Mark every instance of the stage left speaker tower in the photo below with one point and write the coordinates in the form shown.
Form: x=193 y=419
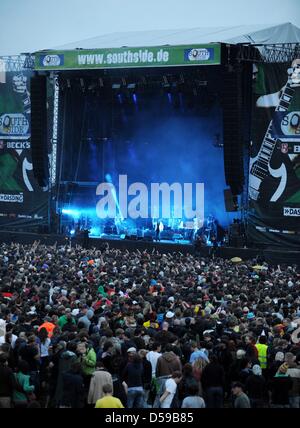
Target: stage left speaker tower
x=39 y=150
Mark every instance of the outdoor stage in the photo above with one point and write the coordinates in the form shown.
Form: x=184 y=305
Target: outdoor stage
x=155 y=139
x=269 y=255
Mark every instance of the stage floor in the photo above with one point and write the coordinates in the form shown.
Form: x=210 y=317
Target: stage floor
x=270 y=255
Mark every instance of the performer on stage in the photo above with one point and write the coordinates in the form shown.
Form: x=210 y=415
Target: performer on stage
x=159 y=228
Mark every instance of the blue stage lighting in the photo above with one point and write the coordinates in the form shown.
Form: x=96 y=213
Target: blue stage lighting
x=134 y=97
x=108 y=178
x=95 y=231
x=170 y=97
x=71 y=212
x=72 y=232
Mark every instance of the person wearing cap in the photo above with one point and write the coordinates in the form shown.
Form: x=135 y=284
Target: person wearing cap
x=280 y=387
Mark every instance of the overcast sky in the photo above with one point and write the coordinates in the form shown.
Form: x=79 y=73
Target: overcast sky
x=29 y=25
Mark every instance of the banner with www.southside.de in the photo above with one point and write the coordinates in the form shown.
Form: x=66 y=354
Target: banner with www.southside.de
x=209 y=54
x=22 y=201
x=274 y=173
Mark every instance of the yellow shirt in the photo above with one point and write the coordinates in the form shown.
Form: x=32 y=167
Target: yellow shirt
x=109 y=402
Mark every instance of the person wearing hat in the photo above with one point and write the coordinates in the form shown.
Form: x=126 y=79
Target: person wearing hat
x=256 y=388
x=280 y=387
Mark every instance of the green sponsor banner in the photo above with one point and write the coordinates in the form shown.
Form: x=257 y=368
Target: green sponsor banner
x=209 y=54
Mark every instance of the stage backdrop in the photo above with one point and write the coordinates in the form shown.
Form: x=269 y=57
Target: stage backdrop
x=22 y=201
x=274 y=173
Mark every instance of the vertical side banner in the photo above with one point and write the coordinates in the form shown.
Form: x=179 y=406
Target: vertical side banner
x=22 y=201
x=274 y=170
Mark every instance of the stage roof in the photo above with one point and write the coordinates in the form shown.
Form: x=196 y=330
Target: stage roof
x=252 y=34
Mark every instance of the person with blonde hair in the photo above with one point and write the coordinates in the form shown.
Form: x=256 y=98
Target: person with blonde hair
x=280 y=386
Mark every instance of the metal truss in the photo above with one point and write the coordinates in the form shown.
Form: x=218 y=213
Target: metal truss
x=274 y=53
x=16 y=62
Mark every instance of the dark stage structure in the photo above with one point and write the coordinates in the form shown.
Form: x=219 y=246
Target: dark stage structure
x=177 y=148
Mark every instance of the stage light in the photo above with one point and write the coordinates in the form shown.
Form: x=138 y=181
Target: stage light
x=134 y=97
x=108 y=178
x=72 y=232
x=131 y=86
x=70 y=212
x=116 y=86
x=95 y=231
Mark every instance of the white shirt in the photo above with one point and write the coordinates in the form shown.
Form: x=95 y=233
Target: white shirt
x=13 y=340
x=45 y=348
x=171 y=387
x=152 y=357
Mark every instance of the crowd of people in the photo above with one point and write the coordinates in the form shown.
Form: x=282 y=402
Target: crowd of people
x=110 y=328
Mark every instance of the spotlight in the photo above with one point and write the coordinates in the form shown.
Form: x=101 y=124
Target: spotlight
x=116 y=86
x=131 y=86
x=72 y=232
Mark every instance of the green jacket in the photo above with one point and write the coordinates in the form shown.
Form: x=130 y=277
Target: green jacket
x=63 y=321
x=23 y=381
x=89 y=362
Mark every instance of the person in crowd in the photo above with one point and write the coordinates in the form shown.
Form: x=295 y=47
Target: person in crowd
x=170 y=389
x=73 y=388
x=256 y=388
x=133 y=377
x=192 y=400
x=213 y=383
x=280 y=387
x=6 y=382
x=241 y=399
x=23 y=390
x=229 y=321
x=100 y=377
x=108 y=401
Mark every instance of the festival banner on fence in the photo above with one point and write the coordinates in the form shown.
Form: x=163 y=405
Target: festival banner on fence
x=274 y=173
x=209 y=54
x=22 y=201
